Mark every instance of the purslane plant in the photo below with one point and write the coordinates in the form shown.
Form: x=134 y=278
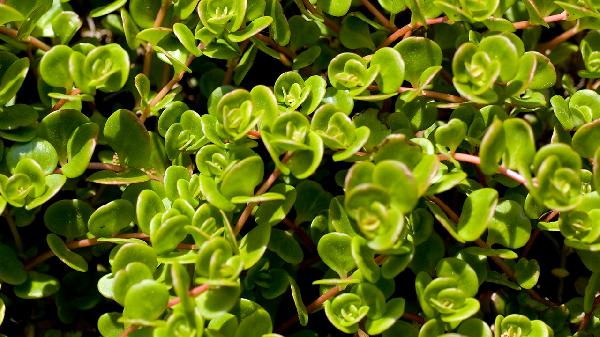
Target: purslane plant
x=264 y=168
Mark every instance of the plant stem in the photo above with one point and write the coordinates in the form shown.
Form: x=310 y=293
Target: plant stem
x=285 y=54
x=76 y=244
x=546 y=47
x=437 y=95
x=192 y=293
x=548 y=19
x=469 y=158
x=302 y=235
x=233 y=63
x=129 y=330
x=63 y=101
x=329 y=23
x=14 y=232
x=160 y=17
x=585 y=321
x=167 y=88
x=536 y=232
x=408 y=28
x=30 y=39
x=98 y=166
x=378 y=15
x=263 y=188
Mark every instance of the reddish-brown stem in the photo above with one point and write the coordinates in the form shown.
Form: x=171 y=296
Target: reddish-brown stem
x=546 y=47
x=14 y=231
x=447 y=209
x=536 y=232
x=552 y=18
x=128 y=330
x=399 y=33
x=160 y=17
x=30 y=39
x=436 y=95
x=469 y=158
x=76 y=244
x=233 y=63
x=254 y=134
x=407 y=29
x=192 y=293
x=167 y=88
x=290 y=54
x=378 y=15
x=63 y=101
x=331 y=24
x=587 y=317
x=302 y=235
x=98 y=166
x=263 y=188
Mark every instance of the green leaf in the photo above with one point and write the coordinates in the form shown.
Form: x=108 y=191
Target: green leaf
x=130 y=29
x=109 y=325
x=585 y=140
x=280 y=28
x=364 y=258
x=273 y=212
x=462 y=272
x=54 y=67
x=451 y=134
x=128 y=137
x=493 y=145
x=252 y=29
x=107 y=67
x=519 y=155
x=300 y=307
x=67 y=256
x=107 y=9
x=80 y=149
x=311 y=200
x=12 y=79
x=354 y=33
x=254 y=244
x=186 y=37
x=527 y=273
x=285 y=246
x=335 y=7
x=111 y=218
x=509 y=226
x=392 y=68
x=58 y=128
x=477 y=213
x=12 y=270
x=128 y=176
x=335 y=250
x=134 y=252
x=65 y=25
x=166 y=235
x=145 y=301
x=38 y=149
x=37 y=286
x=418 y=53
x=394 y=309
x=9 y=14
x=148 y=205
x=68 y=218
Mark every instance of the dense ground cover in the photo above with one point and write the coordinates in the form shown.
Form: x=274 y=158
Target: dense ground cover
x=264 y=168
